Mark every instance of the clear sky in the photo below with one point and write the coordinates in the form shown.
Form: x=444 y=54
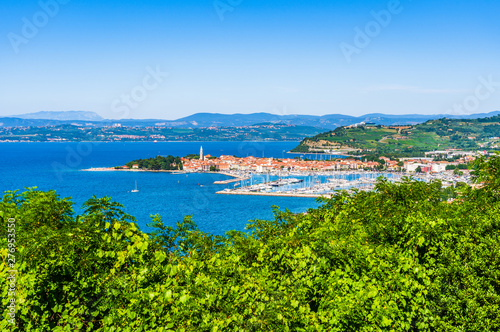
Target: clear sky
x=245 y=56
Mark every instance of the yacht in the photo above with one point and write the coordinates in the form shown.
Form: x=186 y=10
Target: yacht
x=135 y=190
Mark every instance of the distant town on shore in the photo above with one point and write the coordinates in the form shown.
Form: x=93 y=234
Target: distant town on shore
x=451 y=167
x=434 y=162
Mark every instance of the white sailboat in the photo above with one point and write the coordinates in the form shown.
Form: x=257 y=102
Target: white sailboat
x=135 y=190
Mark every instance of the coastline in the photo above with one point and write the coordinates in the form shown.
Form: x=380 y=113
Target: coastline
x=272 y=194
x=340 y=153
x=326 y=188
x=112 y=169
x=148 y=141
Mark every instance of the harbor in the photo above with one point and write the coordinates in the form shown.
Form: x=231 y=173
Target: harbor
x=304 y=178
x=325 y=184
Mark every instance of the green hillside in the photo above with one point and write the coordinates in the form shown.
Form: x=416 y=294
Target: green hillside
x=408 y=140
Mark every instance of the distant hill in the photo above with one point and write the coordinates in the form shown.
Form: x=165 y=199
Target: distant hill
x=203 y=120
x=330 y=121
x=69 y=132
x=62 y=116
x=409 y=140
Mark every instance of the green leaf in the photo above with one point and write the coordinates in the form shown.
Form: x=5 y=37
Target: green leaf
x=386 y=321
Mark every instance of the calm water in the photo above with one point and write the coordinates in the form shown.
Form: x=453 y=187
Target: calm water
x=58 y=166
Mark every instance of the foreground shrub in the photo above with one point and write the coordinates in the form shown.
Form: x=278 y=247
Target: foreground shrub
x=396 y=259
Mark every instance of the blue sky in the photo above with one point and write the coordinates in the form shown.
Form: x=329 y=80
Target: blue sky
x=245 y=56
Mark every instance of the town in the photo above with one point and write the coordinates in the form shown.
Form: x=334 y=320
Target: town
x=434 y=162
x=303 y=177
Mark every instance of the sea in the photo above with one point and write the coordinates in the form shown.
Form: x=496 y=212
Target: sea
x=60 y=167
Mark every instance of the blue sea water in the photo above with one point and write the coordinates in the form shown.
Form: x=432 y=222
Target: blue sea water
x=59 y=166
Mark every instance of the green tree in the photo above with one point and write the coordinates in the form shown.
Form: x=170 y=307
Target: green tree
x=398 y=258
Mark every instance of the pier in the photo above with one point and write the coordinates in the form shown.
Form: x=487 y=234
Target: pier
x=325 y=184
x=231 y=181
x=228 y=192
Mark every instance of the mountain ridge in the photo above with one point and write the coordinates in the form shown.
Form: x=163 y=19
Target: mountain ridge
x=61 y=116
x=199 y=120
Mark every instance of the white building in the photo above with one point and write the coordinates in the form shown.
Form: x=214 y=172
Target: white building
x=438 y=167
x=412 y=167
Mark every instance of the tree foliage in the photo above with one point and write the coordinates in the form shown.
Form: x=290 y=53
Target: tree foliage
x=399 y=258
x=158 y=163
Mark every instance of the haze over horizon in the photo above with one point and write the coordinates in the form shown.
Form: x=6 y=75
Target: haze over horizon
x=94 y=116
x=281 y=57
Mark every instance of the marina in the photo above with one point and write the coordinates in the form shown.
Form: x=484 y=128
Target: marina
x=325 y=184
x=307 y=183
